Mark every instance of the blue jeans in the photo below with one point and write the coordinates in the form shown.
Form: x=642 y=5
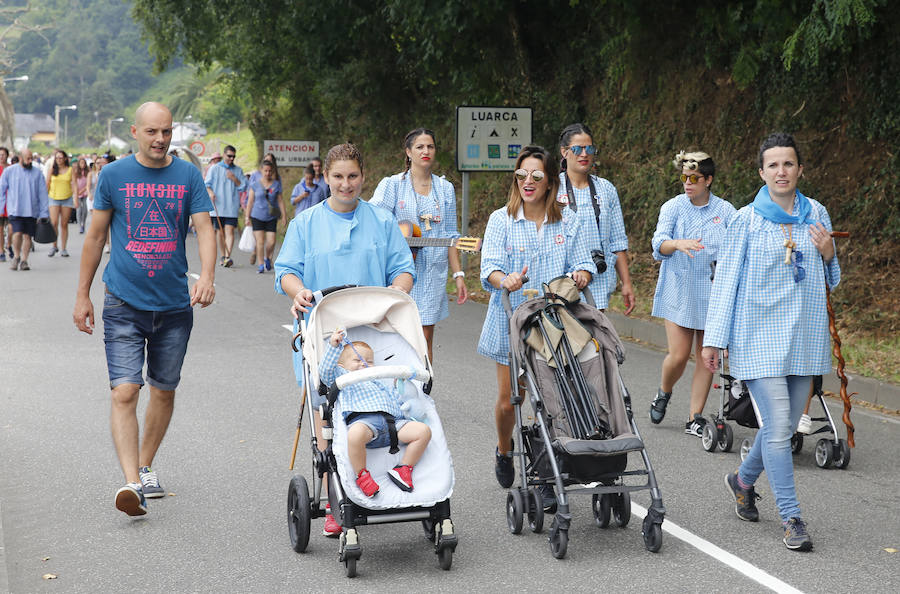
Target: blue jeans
x=780 y=401
x=127 y=332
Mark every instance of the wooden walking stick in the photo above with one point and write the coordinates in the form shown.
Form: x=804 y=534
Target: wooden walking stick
x=302 y=407
x=836 y=351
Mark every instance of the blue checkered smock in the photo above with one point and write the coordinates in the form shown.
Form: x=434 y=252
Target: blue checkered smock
x=682 y=291
x=396 y=194
x=509 y=244
x=610 y=237
x=371 y=396
x=772 y=326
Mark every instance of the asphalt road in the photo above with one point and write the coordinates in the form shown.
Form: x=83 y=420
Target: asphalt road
x=225 y=463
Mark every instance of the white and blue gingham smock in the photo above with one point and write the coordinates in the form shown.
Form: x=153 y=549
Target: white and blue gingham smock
x=682 y=291
x=772 y=326
x=396 y=194
x=610 y=237
x=370 y=396
x=509 y=244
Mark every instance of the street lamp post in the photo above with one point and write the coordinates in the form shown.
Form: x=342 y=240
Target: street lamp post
x=56 y=111
x=109 y=130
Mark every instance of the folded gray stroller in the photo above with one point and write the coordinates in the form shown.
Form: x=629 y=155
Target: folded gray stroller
x=566 y=354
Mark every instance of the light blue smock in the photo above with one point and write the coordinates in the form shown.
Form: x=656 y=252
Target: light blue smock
x=609 y=237
x=772 y=326
x=396 y=194
x=682 y=291
x=324 y=249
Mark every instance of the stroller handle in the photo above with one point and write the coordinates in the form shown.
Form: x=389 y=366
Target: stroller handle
x=507 y=306
x=316 y=296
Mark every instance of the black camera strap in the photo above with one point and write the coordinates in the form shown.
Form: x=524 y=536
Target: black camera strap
x=573 y=204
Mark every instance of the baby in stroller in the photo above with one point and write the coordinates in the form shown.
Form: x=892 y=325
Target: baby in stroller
x=373 y=415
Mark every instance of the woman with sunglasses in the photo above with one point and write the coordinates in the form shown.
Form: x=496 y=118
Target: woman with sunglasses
x=531 y=236
x=768 y=307
x=688 y=237
x=599 y=212
x=420 y=196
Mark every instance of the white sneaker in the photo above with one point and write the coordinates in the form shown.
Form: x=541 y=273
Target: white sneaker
x=805 y=425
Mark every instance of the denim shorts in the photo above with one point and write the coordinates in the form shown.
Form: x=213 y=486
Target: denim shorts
x=129 y=333
x=267 y=226
x=26 y=225
x=378 y=424
x=230 y=221
x=68 y=202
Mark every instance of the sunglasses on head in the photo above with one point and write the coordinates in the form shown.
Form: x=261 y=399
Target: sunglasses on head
x=536 y=174
x=799 y=271
x=588 y=150
x=694 y=178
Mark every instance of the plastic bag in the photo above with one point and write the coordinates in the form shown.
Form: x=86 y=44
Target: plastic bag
x=248 y=241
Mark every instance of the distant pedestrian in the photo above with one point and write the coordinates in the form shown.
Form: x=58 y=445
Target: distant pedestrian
x=61 y=189
x=307 y=192
x=689 y=234
x=23 y=194
x=81 y=177
x=146 y=200
x=4 y=236
x=264 y=211
x=224 y=183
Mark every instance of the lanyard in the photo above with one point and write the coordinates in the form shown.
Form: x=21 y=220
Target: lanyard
x=573 y=204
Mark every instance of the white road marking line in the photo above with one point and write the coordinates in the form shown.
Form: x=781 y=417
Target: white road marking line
x=751 y=571
x=194 y=275
x=288 y=327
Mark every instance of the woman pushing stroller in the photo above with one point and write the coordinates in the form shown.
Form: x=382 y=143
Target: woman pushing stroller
x=532 y=235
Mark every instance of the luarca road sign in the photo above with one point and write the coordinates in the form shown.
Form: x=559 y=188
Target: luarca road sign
x=490 y=138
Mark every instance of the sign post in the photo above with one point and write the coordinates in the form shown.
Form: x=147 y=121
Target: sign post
x=292 y=153
x=488 y=139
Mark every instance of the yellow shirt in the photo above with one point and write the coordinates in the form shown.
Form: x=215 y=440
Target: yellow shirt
x=61 y=185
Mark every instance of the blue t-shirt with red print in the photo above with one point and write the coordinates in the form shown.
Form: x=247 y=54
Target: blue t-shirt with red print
x=151 y=208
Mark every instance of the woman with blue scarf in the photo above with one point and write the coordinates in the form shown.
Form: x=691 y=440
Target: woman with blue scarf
x=768 y=308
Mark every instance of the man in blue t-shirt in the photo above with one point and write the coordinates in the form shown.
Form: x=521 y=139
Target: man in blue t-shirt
x=145 y=201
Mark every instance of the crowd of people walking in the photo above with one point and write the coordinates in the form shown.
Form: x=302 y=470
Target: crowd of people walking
x=744 y=280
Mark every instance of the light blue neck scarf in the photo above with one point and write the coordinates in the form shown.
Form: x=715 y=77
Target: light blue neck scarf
x=766 y=208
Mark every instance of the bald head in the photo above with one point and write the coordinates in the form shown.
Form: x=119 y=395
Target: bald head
x=151 y=110
x=26 y=157
x=153 y=130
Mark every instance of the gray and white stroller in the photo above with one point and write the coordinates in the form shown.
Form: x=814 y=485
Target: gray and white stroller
x=566 y=354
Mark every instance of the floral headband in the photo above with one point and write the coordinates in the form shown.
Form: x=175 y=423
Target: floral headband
x=689 y=160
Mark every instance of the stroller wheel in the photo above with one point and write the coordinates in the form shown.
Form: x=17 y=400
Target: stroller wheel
x=841 y=454
x=559 y=543
x=652 y=536
x=350 y=567
x=824 y=453
x=445 y=558
x=796 y=443
x=535 y=510
x=710 y=438
x=621 y=508
x=746 y=444
x=726 y=438
x=298 y=513
x=515 y=508
x=601 y=506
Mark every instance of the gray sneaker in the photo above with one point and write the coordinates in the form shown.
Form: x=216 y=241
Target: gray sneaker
x=796 y=538
x=150 y=483
x=744 y=499
x=64 y=253
x=14 y=264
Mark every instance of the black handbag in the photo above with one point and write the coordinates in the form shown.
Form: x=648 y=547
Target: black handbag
x=44 y=232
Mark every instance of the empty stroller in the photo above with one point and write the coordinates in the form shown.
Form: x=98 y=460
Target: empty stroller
x=566 y=354
x=735 y=405
x=388 y=321
x=829 y=451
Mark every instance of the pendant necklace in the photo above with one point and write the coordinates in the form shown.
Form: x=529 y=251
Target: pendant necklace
x=789 y=245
